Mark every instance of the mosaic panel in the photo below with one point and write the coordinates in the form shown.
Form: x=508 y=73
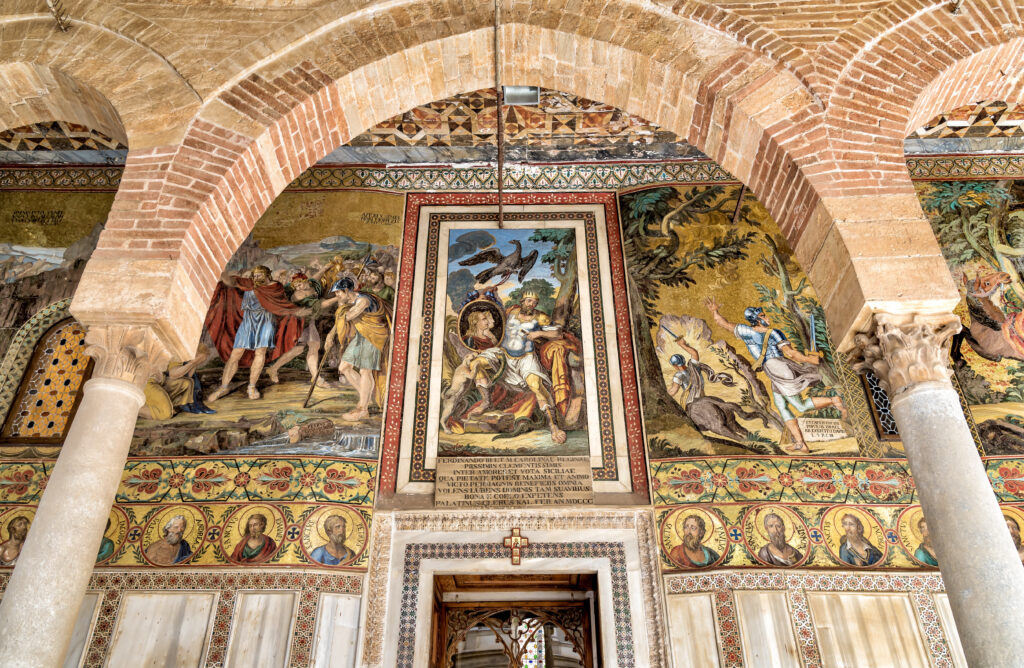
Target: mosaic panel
x=50 y=388
x=787 y=535
x=56 y=136
x=984 y=119
x=21 y=348
x=796 y=585
x=471 y=119
x=733 y=351
x=218 y=512
x=112 y=585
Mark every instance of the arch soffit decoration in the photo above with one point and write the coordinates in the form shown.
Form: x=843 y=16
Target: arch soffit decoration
x=151 y=99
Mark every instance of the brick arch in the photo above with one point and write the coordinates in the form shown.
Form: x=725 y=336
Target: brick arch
x=152 y=101
x=31 y=93
x=182 y=210
x=901 y=65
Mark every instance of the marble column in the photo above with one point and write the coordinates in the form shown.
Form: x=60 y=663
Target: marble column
x=37 y=613
x=980 y=567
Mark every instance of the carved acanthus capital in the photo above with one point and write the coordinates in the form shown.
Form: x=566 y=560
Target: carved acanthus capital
x=904 y=350
x=129 y=353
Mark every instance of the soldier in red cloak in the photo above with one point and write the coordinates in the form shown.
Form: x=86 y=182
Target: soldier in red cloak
x=247 y=318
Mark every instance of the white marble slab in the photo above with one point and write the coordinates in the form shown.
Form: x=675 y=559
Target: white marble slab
x=75 y=656
x=766 y=630
x=956 y=650
x=692 y=633
x=162 y=629
x=867 y=629
x=337 y=628
x=261 y=629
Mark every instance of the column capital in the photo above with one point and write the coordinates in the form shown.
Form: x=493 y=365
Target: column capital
x=904 y=350
x=131 y=353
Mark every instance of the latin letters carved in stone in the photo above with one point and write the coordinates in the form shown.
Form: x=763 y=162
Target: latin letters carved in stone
x=904 y=350
x=129 y=353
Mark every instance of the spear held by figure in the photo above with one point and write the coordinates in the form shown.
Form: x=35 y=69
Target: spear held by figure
x=330 y=336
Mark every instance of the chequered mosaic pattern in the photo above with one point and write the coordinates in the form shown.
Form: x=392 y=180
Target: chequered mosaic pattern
x=56 y=136
x=471 y=119
x=796 y=585
x=985 y=119
x=416 y=552
x=49 y=389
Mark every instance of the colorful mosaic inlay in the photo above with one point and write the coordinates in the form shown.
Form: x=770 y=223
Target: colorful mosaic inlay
x=50 y=387
x=307 y=511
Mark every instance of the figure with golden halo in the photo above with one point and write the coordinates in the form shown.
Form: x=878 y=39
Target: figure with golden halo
x=777 y=551
x=692 y=553
x=256 y=546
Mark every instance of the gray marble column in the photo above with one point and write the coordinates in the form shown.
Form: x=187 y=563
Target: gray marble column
x=40 y=604
x=982 y=572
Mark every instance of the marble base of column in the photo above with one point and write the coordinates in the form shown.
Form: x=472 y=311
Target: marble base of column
x=39 y=607
x=982 y=572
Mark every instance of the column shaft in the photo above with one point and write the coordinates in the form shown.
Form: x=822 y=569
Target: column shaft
x=982 y=573
x=41 y=602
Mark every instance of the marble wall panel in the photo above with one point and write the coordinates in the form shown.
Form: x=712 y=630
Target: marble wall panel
x=766 y=629
x=162 y=629
x=691 y=624
x=75 y=656
x=262 y=629
x=337 y=630
x=867 y=629
x=956 y=650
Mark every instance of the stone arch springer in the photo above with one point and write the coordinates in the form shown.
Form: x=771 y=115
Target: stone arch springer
x=183 y=209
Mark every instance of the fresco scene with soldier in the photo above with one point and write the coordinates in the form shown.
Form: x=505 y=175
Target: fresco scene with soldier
x=512 y=373
x=732 y=347
x=294 y=351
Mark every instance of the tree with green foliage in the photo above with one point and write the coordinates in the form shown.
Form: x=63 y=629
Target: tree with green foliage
x=656 y=257
x=973 y=220
x=544 y=289
x=561 y=258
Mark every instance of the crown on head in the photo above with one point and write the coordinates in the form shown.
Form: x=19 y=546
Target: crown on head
x=531 y=295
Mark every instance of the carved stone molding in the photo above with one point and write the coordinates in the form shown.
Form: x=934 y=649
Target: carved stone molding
x=129 y=353
x=392 y=530
x=905 y=350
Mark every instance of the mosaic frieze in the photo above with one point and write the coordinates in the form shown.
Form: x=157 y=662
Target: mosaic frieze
x=216 y=534
x=799 y=480
x=790 y=535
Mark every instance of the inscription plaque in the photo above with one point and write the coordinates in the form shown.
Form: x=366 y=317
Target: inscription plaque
x=503 y=482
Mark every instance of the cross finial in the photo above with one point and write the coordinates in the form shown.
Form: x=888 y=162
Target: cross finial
x=516 y=542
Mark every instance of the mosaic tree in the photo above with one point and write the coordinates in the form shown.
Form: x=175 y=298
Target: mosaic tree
x=655 y=225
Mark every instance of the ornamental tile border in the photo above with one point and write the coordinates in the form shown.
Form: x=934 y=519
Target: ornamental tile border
x=415 y=553
x=582 y=176
x=215 y=479
x=921 y=588
x=112 y=585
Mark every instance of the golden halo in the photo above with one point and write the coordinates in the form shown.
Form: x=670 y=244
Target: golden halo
x=868 y=521
x=242 y=519
x=7 y=518
x=788 y=525
x=912 y=517
x=1016 y=513
x=195 y=525
x=352 y=522
x=710 y=523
